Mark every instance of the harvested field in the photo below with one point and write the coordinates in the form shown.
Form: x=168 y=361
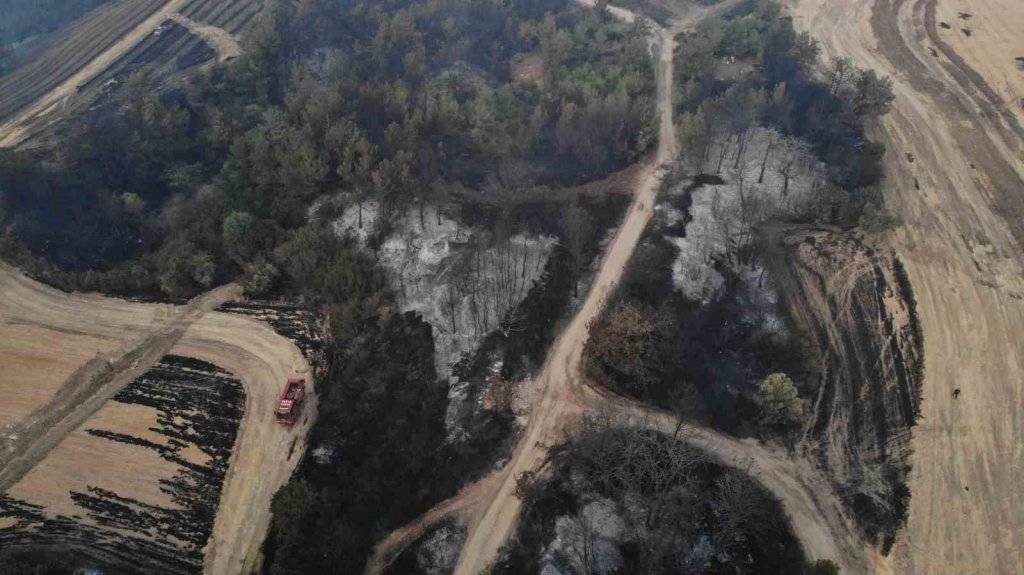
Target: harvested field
x=36 y=321
x=174 y=427
x=174 y=48
x=137 y=430
x=992 y=48
x=82 y=43
x=961 y=245
x=111 y=41
x=230 y=15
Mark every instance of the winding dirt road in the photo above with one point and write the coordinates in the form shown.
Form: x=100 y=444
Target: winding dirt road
x=494 y=523
x=953 y=132
x=816 y=515
x=132 y=337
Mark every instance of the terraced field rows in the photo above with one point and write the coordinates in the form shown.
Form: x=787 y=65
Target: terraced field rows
x=231 y=15
x=165 y=37
x=174 y=49
x=82 y=43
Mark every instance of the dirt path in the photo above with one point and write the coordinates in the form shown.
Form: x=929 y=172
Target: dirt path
x=961 y=245
x=265 y=454
x=222 y=41
x=816 y=515
x=460 y=506
x=14 y=131
x=491 y=527
x=814 y=512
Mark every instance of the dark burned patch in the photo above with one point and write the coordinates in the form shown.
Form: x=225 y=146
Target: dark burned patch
x=199 y=406
x=288 y=320
x=870 y=340
x=172 y=48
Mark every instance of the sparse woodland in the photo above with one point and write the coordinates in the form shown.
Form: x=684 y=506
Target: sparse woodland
x=773 y=139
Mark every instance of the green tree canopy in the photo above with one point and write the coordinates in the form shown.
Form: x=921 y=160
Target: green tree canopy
x=781 y=402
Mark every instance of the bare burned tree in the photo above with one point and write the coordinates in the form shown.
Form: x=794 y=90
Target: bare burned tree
x=451 y=300
x=792 y=154
x=581 y=538
x=772 y=138
x=740 y=507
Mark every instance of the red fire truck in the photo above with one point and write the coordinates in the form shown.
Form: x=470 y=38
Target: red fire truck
x=290 y=402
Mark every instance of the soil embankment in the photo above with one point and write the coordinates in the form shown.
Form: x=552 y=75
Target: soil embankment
x=854 y=303
x=955 y=178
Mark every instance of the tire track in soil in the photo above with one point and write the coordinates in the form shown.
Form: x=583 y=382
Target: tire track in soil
x=961 y=246
x=84 y=393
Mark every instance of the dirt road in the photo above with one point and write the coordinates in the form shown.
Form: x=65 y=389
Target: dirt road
x=14 y=131
x=954 y=132
x=816 y=515
x=814 y=512
x=493 y=525
x=264 y=455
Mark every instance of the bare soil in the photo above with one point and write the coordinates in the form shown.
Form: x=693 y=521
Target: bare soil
x=222 y=41
x=60 y=456
x=961 y=245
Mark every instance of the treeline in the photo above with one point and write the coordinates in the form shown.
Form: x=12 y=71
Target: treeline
x=401 y=102
x=750 y=69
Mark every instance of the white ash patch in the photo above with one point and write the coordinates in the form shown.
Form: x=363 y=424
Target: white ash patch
x=464 y=281
x=579 y=548
x=323 y=454
x=440 y=552
x=724 y=217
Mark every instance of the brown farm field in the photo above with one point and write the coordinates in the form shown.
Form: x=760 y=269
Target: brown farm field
x=137 y=477
x=955 y=175
x=111 y=41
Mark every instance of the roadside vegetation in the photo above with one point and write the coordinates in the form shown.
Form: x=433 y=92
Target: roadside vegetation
x=752 y=70
x=775 y=138
x=617 y=498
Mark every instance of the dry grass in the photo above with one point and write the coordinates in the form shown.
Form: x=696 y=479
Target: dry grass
x=961 y=245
